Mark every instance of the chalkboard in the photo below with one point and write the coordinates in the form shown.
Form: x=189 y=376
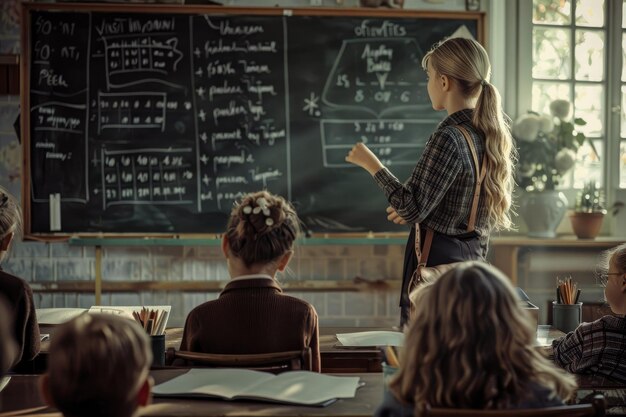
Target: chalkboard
x=155 y=119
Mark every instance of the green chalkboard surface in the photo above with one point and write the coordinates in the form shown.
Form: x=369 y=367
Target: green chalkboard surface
x=154 y=119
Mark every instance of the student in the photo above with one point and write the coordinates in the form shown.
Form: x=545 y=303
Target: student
x=8 y=348
x=252 y=315
x=470 y=345
x=14 y=289
x=98 y=366
x=598 y=348
x=438 y=195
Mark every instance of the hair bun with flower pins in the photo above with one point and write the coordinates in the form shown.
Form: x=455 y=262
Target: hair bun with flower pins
x=262 y=227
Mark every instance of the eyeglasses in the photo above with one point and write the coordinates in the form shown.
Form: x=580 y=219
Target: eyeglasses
x=603 y=277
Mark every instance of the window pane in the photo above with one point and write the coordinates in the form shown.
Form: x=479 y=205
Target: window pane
x=589 y=55
x=624 y=56
x=554 y=12
x=590 y=13
x=623 y=113
x=588 y=106
x=545 y=92
x=589 y=164
x=622 y=165
x=551 y=52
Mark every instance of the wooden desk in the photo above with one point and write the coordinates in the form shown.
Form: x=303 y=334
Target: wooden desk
x=505 y=250
x=22 y=393
x=334 y=359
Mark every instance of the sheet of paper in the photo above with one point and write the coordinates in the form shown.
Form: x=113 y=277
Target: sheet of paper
x=127 y=311
x=372 y=338
x=225 y=383
x=56 y=316
x=304 y=387
x=4 y=381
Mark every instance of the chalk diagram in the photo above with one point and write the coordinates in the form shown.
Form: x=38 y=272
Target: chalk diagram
x=379 y=79
x=137 y=54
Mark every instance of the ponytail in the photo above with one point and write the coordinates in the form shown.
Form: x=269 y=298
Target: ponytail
x=501 y=156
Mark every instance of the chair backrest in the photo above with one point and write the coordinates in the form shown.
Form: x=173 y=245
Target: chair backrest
x=595 y=408
x=270 y=362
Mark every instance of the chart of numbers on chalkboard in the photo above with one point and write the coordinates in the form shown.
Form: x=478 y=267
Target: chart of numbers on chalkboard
x=156 y=119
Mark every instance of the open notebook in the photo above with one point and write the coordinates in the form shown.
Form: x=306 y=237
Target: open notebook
x=293 y=387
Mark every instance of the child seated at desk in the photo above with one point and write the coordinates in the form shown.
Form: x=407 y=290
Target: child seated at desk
x=16 y=290
x=98 y=366
x=599 y=347
x=8 y=347
x=470 y=345
x=252 y=315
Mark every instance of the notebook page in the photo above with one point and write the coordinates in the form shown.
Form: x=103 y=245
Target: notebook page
x=224 y=383
x=304 y=387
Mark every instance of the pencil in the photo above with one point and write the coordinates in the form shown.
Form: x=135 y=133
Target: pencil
x=392 y=358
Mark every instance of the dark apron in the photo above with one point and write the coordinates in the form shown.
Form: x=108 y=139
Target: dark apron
x=445 y=249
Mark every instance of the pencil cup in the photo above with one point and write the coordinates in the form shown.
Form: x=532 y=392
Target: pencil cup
x=388 y=372
x=158 y=350
x=566 y=317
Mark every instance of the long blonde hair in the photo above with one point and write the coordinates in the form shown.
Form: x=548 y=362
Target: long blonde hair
x=470 y=345
x=467 y=62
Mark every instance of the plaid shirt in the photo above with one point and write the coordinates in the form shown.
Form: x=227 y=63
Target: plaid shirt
x=597 y=348
x=439 y=192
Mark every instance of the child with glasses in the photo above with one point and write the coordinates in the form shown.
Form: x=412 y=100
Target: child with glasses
x=597 y=348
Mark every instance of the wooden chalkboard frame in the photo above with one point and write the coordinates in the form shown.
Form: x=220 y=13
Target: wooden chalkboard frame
x=25 y=64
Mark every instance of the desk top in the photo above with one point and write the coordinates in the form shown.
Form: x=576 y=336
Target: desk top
x=559 y=241
x=22 y=393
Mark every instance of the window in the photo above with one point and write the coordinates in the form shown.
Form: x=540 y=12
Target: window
x=576 y=50
x=569 y=56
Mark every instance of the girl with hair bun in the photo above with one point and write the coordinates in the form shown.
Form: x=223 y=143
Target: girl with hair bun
x=471 y=153
x=18 y=293
x=252 y=315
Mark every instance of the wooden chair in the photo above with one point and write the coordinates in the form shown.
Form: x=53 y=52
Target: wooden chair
x=595 y=408
x=276 y=362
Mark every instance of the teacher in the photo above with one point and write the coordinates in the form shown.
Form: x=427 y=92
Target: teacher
x=437 y=199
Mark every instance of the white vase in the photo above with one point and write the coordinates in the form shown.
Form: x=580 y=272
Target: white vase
x=542 y=212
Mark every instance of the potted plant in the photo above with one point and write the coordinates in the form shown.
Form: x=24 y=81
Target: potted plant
x=547 y=146
x=588 y=212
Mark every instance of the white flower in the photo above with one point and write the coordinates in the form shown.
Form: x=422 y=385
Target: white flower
x=526 y=127
x=527 y=170
x=546 y=124
x=564 y=160
x=560 y=109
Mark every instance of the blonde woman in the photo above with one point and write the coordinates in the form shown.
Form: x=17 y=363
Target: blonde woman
x=439 y=194
x=470 y=345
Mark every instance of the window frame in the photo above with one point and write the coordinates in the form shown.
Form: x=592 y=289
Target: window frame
x=612 y=84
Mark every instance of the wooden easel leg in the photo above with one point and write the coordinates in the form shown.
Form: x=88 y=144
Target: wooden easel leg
x=98 y=275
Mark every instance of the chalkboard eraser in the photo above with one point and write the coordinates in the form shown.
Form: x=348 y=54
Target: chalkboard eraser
x=287 y=12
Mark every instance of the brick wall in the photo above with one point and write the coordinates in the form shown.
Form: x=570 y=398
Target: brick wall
x=44 y=263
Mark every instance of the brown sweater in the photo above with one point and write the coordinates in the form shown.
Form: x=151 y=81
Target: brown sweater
x=20 y=302
x=252 y=315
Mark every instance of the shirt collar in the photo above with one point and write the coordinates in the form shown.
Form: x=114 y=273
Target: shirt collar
x=251 y=281
x=461 y=116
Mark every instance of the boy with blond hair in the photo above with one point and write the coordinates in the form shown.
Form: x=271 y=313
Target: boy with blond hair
x=98 y=366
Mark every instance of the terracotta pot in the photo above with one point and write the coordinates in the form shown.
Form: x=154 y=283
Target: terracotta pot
x=586 y=225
